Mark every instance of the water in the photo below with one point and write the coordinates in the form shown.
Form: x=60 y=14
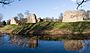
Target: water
x=18 y=44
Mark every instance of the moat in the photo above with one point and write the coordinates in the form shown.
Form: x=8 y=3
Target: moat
x=17 y=44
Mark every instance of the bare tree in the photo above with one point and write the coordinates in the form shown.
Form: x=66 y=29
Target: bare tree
x=27 y=12
x=1 y=17
x=80 y=2
x=8 y=22
x=60 y=16
x=4 y=23
x=20 y=16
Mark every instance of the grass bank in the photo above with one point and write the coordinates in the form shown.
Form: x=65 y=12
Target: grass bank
x=8 y=28
x=54 y=29
x=40 y=28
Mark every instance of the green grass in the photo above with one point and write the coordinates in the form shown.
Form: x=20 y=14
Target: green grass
x=7 y=27
x=73 y=26
x=60 y=25
x=38 y=26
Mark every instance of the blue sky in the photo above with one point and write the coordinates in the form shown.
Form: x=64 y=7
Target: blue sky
x=42 y=8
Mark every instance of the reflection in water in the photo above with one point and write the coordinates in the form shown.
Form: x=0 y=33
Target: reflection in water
x=33 y=43
x=83 y=46
x=24 y=42
x=86 y=46
x=73 y=44
x=4 y=40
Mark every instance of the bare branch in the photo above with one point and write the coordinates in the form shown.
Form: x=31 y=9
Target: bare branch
x=5 y=2
x=80 y=3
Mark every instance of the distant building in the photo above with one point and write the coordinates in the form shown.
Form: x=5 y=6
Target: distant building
x=14 y=21
x=31 y=18
x=75 y=16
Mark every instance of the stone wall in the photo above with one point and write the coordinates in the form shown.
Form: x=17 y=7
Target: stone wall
x=13 y=21
x=31 y=18
x=74 y=16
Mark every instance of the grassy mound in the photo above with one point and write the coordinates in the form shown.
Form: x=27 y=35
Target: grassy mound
x=8 y=28
x=41 y=27
x=26 y=28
